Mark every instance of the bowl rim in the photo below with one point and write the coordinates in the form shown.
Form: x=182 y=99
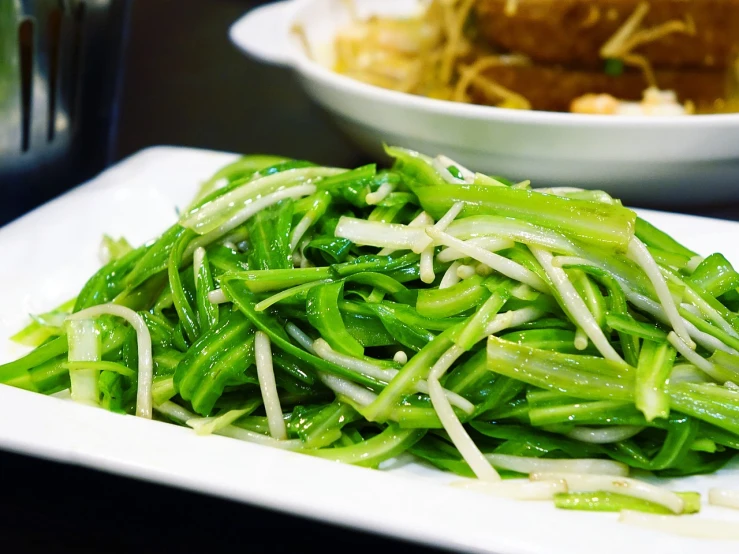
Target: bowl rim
x=311 y=69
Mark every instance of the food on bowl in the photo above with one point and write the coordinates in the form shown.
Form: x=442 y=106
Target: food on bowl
x=555 y=55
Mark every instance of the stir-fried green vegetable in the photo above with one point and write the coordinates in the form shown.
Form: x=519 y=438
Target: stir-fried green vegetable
x=357 y=314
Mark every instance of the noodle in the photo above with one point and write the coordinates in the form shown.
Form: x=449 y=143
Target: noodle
x=629 y=37
x=434 y=54
x=510 y=99
x=471 y=74
x=455 y=37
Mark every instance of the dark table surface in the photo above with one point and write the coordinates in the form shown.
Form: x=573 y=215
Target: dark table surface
x=186 y=85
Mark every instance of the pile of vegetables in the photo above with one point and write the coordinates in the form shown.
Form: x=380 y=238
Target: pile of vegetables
x=489 y=329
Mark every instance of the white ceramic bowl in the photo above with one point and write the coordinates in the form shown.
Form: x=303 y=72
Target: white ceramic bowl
x=651 y=161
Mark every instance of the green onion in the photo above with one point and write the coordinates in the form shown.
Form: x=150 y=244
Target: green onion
x=613 y=67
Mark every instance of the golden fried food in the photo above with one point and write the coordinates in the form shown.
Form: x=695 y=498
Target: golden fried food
x=686 y=34
x=557 y=55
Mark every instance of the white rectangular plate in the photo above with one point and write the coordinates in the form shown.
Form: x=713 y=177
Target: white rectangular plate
x=46 y=258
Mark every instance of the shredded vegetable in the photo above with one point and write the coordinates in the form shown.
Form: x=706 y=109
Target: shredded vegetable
x=490 y=330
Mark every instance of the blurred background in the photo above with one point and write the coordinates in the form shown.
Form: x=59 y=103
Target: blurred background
x=177 y=81
x=186 y=84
